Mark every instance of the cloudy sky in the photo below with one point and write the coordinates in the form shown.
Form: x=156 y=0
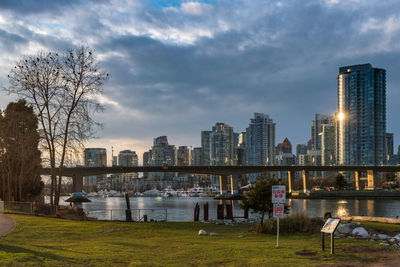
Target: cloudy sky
x=178 y=67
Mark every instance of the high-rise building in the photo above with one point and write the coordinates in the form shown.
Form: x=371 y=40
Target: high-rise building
x=316 y=129
x=260 y=140
x=328 y=145
x=222 y=152
x=94 y=157
x=183 y=158
x=146 y=162
x=162 y=154
x=196 y=156
x=284 y=147
x=241 y=150
x=127 y=158
x=301 y=149
x=361 y=115
x=389 y=144
x=206 y=148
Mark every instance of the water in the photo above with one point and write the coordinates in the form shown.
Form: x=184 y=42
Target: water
x=182 y=209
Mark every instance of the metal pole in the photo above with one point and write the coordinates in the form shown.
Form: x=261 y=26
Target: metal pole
x=111 y=215
x=166 y=214
x=332 y=244
x=139 y=215
x=277 y=233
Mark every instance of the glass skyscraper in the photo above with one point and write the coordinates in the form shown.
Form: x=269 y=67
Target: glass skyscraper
x=94 y=157
x=361 y=115
x=260 y=140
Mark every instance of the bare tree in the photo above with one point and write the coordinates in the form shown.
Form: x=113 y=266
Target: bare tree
x=62 y=88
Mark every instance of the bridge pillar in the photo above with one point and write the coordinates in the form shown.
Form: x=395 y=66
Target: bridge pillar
x=357 y=177
x=77 y=183
x=305 y=181
x=234 y=185
x=223 y=185
x=290 y=181
x=371 y=176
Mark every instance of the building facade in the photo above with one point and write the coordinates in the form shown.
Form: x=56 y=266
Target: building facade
x=316 y=129
x=218 y=146
x=361 y=115
x=94 y=157
x=260 y=140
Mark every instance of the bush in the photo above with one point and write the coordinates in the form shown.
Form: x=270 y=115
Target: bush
x=298 y=223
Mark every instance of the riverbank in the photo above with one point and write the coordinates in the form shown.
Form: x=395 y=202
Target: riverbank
x=56 y=242
x=347 y=194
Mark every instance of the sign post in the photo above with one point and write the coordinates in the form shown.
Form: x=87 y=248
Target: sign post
x=278 y=199
x=330 y=227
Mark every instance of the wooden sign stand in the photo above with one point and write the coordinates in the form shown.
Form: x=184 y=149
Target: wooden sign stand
x=329 y=227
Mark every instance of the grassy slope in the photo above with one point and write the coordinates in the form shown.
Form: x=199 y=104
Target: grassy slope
x=53 y=242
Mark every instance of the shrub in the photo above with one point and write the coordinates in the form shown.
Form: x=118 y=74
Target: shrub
x=298 y=223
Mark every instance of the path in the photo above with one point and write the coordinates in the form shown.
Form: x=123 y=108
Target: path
x=6 y=224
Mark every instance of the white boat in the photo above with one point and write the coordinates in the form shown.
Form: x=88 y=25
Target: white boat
x=151 y=192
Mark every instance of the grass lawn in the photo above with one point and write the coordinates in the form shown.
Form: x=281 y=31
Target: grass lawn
x=41 y=241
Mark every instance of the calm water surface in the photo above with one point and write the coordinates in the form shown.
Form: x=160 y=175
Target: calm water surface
x=181 y=209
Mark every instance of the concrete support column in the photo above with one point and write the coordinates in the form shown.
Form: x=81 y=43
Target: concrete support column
x=234 y=185
x=223 y=185
x=305 y=181
x=371 y=176
x=357 y=177
x=77 y=183
x=290 y=181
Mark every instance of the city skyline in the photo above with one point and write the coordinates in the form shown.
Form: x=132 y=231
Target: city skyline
x=180 y=67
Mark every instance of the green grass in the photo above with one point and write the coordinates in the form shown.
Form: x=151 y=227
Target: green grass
x=39 y=241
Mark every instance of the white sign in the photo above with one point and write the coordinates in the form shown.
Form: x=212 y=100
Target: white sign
x=330 y=225
x=279 y=210
x=278 y=194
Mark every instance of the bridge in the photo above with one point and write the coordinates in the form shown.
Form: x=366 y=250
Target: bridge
x=223 y=172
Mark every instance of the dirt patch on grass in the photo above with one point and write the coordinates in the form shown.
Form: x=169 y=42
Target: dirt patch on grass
x=306 y=252
x=365 y=249
x=374 y=256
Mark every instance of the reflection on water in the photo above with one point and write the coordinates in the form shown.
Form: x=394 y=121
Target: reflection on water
x=347 y=207
x=181 y=209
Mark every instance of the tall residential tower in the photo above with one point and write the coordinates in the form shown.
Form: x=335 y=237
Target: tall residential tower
x=361 y=115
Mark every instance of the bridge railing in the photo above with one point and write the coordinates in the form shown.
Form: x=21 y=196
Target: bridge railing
x=138 y=215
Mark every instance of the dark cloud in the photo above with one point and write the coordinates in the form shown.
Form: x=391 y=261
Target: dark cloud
x=41 y=6
x=177 y=73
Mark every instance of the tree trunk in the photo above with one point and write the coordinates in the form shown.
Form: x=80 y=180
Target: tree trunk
x=262 y=219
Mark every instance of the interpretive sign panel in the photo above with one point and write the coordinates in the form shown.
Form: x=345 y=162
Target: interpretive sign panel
x=330 y=225
x=278 y=194
x=279 y=210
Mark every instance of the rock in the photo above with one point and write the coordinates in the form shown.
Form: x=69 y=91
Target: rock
x=382 y=237
x=213 y=234
x=393 y=241
x=360 y=232
x=345 y=228
x=384 y=243
x=241 y=236
x=397 y=237
x=202 y=232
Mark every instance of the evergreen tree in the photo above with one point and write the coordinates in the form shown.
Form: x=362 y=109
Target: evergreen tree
x=19 y=154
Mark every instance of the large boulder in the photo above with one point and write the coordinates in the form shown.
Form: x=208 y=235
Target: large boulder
x=345 y=228
x=397 y=237
x=360 y=232
x=202 y=232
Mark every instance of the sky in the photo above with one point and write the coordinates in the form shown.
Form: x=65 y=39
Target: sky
x=178 y=67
